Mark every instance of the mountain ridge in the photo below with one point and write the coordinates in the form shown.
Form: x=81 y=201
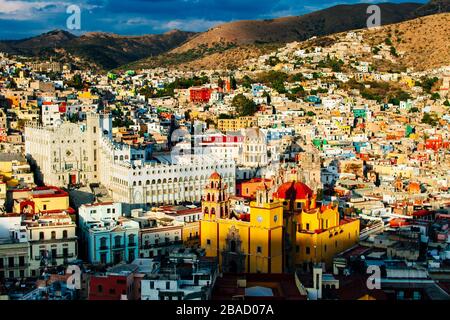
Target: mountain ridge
x=109 y=50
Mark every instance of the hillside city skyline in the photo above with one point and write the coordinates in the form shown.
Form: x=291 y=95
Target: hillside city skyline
x=260 y=165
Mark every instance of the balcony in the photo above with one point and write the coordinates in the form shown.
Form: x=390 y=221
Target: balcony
x=118 y=246
x=64 y=256
x=15 y=266
x=54 y=257
x=102 y=248
x=162 y=244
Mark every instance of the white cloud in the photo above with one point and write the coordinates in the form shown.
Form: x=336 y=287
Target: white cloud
x=35 y=10
x=191 y=25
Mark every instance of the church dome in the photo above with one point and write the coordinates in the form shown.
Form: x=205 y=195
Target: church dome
x=294 y=190
x=215 y=176
x=254 y=134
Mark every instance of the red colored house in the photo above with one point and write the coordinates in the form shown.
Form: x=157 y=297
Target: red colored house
x=112 y=287
x=434 y=143
x=200 y=95
x=63 y=107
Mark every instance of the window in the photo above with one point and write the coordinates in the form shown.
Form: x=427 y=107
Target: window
x=297 y=249
x=131 y=240
x=117 y=241
x=53 y=235
x=167 y=285
x=308 y=250
x=152 y=285
x=21 y=261
x=100 y=288
x=307 y=226
x=41 y=235
x=102 y=243
x=233 y=246
x=208 y=242
x=11 y=262
x=64 y=234
x=259 y=249
x=112 y=291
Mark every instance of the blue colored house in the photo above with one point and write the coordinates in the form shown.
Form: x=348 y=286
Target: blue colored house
x=107 y=236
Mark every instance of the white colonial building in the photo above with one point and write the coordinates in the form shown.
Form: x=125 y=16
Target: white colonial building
x=85 y=153
x=52 y=239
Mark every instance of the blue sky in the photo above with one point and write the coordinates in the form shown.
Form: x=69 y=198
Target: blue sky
x=25 y=18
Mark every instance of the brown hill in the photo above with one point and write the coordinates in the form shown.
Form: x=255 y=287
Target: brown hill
x=422 y=43
x=297 y=28
x=107 y=50
x=432 y=7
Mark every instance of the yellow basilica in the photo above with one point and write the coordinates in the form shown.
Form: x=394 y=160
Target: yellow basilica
x=284 y=229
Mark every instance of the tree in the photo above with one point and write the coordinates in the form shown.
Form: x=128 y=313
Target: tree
x=273 y=61
x=268 y=98
x=221 y=83
x=11 y=84
x=246 y=82
x=243 y=106
x=76 y=82
x=274 y=79
x=187 y=115
x=225 y=116
x=233 y=83
x=430 y=119
x=427 y=83
x=394 y=51
x=435 y=96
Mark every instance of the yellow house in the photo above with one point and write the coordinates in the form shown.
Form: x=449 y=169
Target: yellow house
x=2 y=190
x=282 y=231
x=321 y=235
x=408 y=81
x=316 y=234
x=242 y=245
x=191 y=233
x=236 y=124
x=40 y=200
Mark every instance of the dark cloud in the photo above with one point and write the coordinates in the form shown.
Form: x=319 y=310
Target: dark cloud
x=146 y=16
